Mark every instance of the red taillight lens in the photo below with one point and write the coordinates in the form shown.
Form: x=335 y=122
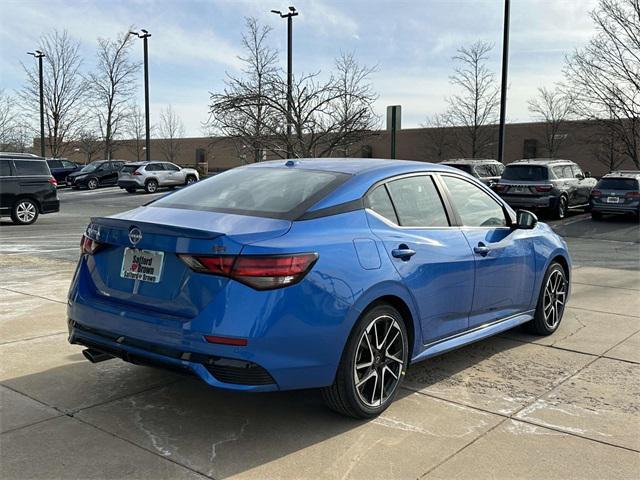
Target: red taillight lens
x=238 y=342
x=137 y=173
x=543 y=188
x=88 y=245
x=262 y=272
x=596 y=193
x=53 y=182
x=632 y=195
x=498 y=187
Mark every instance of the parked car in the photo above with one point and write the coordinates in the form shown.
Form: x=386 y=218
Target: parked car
x=27 y=188
x=332 y=273
x=152 y=175
x=61 y=167
x=488 y=171
x=99 y=173
x=616 y=193
x=553 y=185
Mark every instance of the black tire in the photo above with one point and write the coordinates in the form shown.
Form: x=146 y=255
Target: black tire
x=343 y=396
x=190 y=180
x=546 y=324
x=560 y=210
x=151 y=186
x=93 y=183
x=24 y=212
x=596 y=215
x=130 y=190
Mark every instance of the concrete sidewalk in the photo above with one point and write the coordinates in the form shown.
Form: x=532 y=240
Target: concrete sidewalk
x=515 y=406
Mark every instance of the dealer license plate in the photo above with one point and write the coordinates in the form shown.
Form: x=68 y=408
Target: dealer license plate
x=613 y=200
x=144 y=265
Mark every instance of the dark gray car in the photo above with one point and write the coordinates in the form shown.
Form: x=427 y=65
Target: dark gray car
x=552 y=185
x=617 y=193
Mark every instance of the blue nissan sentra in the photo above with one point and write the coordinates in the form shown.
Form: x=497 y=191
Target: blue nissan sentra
x=327 y=273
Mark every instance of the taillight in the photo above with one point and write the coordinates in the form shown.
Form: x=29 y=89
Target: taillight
x=53 y=181
x=543 y=188
x=596 y=193
x=262 y=272
x=632 y=195
x=137 y=173
x=498 y=187
x=89 y=245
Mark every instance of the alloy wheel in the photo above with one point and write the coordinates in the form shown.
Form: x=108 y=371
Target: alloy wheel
x=92 y=184
x=555 y=294
x=152 y=186
x=26 y=211
x=191 y=181
x=379 y=361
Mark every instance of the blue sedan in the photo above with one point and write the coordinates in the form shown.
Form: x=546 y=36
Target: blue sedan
x=333 y=274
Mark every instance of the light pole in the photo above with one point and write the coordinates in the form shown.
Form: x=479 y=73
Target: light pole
x=144 y=36
x=40 y=55
x=503 y=88
x=289 y=16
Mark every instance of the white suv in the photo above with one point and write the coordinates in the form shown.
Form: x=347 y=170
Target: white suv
x=152 y=175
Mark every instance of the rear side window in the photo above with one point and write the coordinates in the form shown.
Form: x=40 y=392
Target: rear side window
x=475 y=207
x=54 y=163
x=483 y=171
x=618 y=184
x=267 y=192
x=129 y=168
x=68 y=164
x=378 y=201
x=31 y=167
x=525 y=172
x=5 y=168
x=154 y=167
x=417 y=202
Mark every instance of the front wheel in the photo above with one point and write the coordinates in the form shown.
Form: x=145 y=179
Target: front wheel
x=92 y=183
x=190 y=180
x=24 y=212
x=551 y=301
x=372 y=366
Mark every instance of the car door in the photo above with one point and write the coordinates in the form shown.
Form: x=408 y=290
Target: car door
x=432 y=258
x=8 y=186
x=173 y=174
x=156 y=170
x=569 y=183
x=585 y=184
x=504 y=257
x=68 y=167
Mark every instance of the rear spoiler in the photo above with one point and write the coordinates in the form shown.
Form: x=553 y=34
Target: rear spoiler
x=153 y=228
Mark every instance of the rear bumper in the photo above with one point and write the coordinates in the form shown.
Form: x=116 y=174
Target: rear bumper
x=129 y=184
x=615 y=208
x=50 y=206
x=530 y=201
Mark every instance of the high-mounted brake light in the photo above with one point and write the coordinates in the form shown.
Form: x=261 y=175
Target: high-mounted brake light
x=89 y=245
x=262 y=272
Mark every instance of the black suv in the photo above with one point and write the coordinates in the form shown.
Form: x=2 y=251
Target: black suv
x=553 y=185
x=96 y=174
x=27 y=187
x=486 y=170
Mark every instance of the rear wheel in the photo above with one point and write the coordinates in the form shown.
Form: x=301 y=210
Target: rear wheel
x=596 y=215
x=131 y=190
x=551 y=301
x=92 y=183
x=372 y=366
x=24 y=212
x=560 y=211
x=151 y=186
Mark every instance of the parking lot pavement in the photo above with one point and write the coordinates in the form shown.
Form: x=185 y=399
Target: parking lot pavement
x=514 y=406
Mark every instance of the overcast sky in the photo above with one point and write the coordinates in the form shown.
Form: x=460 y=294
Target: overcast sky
x=195 y=42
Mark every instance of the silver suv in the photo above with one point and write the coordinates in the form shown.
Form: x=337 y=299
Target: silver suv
x=553 y=185
x=152 y=175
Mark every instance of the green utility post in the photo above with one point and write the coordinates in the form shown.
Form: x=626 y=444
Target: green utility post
x=393 y=124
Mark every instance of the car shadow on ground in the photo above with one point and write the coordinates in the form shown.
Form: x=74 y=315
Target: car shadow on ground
x=217 y=432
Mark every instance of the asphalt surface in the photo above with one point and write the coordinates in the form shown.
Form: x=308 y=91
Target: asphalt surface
x=515 y=406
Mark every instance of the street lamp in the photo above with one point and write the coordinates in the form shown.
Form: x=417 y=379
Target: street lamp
x=40 y=55
x=289 y=16
x=503 y=88
x=144 y=36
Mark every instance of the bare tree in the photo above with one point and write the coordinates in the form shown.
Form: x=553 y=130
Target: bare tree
x=240 y=112
x=64 y=90
x=171 y=129
x=553 y=108
x=135 y=130
x=113 y=85
x=89 y=143
x=8 y=120
x=605 y=75
x=438 y=137
x=474 y=108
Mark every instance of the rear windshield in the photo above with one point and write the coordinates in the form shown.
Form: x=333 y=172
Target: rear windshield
x=525 y=172
x=31 y=167
x=130 y=168
x=618 y=184
x=460 y=166
x=264 y=192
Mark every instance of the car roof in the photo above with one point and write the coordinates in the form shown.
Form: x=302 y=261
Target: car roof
x=26 y=156
x=542 y=161
x=350 y=166
x=623 y=174
x=469 y=161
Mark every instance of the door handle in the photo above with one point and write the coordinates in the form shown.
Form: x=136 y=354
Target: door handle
x=403 y=252
x=481 y=249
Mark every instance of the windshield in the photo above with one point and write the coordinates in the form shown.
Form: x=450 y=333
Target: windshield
x=92 y=167
x=525 y=172
x=264 y=192
x=618 y=184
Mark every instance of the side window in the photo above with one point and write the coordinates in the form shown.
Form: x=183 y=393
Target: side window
x=498 y=168
x=417 y=202
x=54 y=163
x=560 y=172
x=483 y=171
x=576 y=170
x=154 y=167
x=31 y=167
x=68 y=164
x=475 y=207
x=5 y=168
x=171 y=167
x=378 y=201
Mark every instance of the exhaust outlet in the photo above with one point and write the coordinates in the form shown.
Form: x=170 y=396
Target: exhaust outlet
x=96 y=356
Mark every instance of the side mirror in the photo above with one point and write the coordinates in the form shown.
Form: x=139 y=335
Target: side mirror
x=579 y=176
x=526 y=220
x=587 y=174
